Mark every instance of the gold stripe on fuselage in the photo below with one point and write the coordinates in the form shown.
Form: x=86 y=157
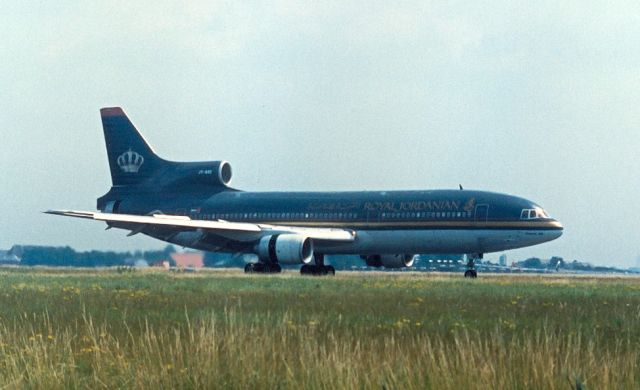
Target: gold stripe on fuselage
x=420 y=224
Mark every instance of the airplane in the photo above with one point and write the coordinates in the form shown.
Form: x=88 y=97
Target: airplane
x=191 y=204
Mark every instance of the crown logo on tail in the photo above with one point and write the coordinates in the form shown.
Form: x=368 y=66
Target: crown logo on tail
x=130 y=161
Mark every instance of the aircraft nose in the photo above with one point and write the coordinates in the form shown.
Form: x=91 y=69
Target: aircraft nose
x=559 y=229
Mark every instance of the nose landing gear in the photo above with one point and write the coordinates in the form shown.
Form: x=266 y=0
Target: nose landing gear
x=471 y=265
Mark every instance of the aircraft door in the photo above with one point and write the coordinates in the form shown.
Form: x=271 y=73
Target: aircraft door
x=482 y=213
x=373 y=216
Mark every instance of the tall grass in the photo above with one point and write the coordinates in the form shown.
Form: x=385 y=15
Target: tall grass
x=84 y=330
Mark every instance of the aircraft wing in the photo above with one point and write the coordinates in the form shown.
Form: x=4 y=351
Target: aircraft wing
x=240 y=231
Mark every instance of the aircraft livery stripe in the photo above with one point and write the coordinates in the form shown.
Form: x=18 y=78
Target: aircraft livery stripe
x=546 y=225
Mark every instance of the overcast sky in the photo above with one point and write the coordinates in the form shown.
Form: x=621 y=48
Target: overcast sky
x=538 y=99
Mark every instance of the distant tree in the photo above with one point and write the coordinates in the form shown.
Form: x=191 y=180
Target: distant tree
x=45 y=255
x=556 y=262
x=532 y=262
x=155 y=256
x=580 y=266
x=100 y=259
x=169 y=249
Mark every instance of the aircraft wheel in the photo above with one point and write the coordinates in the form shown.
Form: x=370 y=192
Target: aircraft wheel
x=470 y=273
x=248 y=269
x=315 y=270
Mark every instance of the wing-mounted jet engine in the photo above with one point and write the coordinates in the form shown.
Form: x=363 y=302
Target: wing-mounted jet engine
x=281 y=249
x=286 y=249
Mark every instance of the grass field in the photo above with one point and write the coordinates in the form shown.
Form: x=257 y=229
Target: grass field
x=152 y=329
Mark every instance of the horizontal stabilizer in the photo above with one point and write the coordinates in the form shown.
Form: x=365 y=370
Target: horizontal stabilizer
x=71 y=213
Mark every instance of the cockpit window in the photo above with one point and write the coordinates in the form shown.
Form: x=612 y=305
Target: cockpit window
x=535 y=213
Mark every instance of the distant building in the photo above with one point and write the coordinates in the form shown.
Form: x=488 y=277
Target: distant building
x=188 y=259
x=503 y=260
x=162 y=264
x=440 y=262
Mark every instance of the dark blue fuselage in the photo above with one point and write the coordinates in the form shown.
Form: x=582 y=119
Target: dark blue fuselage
x=377 y=212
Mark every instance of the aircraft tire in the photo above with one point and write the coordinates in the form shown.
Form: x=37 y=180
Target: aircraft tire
x=262 y=268
x=470 y=273
x=315 y=270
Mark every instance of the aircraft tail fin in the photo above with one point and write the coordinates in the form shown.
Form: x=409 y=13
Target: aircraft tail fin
x=131 y=159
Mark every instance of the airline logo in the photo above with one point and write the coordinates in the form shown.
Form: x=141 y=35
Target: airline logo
x=130 y=161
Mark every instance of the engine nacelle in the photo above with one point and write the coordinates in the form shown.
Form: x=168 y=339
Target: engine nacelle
x=286 y=249
x=208 y=173
x=390 y=261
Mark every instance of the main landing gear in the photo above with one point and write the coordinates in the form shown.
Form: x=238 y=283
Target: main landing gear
x=262 y=268
x=471 y=265
x=319 y=268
